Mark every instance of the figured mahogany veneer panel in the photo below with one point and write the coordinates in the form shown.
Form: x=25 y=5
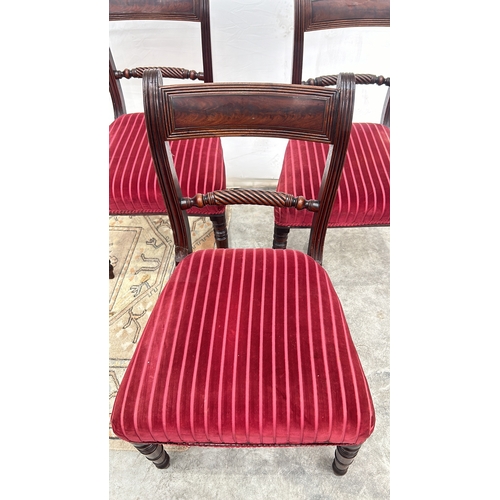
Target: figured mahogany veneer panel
x=186 y=10
x=306 y=117
x=325 y=14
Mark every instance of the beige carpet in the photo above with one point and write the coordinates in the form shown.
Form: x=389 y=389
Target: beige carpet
x=141 y=251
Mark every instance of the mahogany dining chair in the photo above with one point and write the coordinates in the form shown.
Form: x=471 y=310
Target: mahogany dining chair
x=246 y=347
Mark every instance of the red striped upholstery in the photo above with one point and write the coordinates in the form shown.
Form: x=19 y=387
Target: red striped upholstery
x=363 y=194
x=133 y=185
x=245 y=347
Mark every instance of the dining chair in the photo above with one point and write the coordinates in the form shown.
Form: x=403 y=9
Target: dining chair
x=133 y=184
x=363 y=197
x=246 y=347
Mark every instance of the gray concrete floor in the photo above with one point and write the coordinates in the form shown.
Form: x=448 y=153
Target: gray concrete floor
x=357 y=260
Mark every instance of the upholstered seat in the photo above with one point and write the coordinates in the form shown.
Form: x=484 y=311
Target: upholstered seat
x=265 y=358
x=363 y=193
x=133 y=184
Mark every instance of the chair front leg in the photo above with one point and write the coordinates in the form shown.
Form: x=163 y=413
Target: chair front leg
x=344 y=455
x=154 y=452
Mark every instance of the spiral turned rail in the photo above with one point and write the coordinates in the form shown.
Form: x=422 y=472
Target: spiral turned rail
x=362 y=79
x=250 y=197
x=166 y=72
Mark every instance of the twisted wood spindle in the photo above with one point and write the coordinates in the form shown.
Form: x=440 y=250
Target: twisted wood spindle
x=250 y=197
x=362 y=79
x=166 y=72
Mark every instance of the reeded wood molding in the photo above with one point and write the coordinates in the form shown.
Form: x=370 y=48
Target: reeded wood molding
x=242 y=109
x=166 y=72
x=164 y=163
x=206 y=40
x=386 y=110
x=334 y=165
x=361 y=79
x=115 y=90
x=239 y=196
x=331 y=14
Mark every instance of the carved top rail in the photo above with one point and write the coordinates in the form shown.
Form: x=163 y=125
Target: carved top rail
x=330 y=14
x=178 y=10
x=166 y=72
x=361 y=79
x=239 y=196
x=236 y=109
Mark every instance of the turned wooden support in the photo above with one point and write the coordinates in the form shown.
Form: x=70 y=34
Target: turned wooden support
x=362 y=79
x=166 y=72
x=156 y=453
x=220 y=230
x=280 y=237
x=344 y=456
x=250 y=197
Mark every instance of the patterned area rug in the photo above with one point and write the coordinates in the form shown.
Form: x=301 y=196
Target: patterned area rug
x=141 y=251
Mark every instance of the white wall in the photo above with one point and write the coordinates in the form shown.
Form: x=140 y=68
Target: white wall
x=252 y=41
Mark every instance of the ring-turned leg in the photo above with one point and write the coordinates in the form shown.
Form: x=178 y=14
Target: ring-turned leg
x=344 y=455
x=220 y=230
x=156 y=453
x=280 y=237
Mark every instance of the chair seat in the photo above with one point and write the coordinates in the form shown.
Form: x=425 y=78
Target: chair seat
x=133 y=184
x=226 y=367
x=363 y=195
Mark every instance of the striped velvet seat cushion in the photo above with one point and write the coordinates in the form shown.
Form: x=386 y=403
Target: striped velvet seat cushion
x=364 y=188
x=133 y=185
x=245 y=347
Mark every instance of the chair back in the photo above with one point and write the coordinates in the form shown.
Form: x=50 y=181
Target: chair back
x=167 y=10
x=287 y=111
x=316 y=15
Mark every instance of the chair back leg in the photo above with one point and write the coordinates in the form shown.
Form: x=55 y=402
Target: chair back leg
x=220 y=230
x=280 y=237
x=154 y=452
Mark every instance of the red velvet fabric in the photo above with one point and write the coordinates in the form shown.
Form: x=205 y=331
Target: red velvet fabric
x=363 y=195
x=245 y=347
x=133 y=185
